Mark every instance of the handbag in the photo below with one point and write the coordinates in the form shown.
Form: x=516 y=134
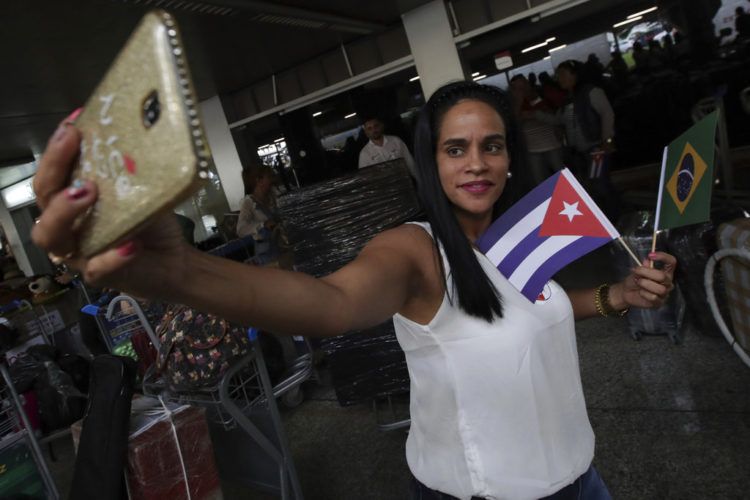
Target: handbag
x=197 y=348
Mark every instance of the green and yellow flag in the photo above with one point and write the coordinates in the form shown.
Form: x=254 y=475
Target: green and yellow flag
x=687 y=176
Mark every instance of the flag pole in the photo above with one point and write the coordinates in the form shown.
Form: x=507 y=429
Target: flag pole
x=629 y=250
x=658 y=201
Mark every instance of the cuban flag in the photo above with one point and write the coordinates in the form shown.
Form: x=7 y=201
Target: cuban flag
x=550 y=227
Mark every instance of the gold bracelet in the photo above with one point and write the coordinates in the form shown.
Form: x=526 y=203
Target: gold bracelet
x=603 y=305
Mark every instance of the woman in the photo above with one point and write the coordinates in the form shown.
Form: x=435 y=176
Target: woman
x=258 y=215
x=588 y=116
x=589 y=123
x=496 y=402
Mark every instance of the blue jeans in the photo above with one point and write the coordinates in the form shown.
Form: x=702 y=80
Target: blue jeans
x=589 y=486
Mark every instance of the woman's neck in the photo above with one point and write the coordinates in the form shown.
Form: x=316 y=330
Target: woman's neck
x=474 y=226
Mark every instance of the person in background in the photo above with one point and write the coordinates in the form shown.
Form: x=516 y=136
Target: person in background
x=382 y=147
x=667 y=45
x=589 y=122
x=588 y=117
x=544 y=149
x=642 y=59
x=594 y=70
x=258 y=214
x=497 y=406
x=618 y=68
x=533 y=82
x=551 y=92
x=682 y=49
x=659 y=58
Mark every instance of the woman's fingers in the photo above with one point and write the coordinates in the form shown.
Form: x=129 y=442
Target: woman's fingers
x=57 y=162
x=669 y=262
x=104 y=265
x=654 y=287
x=661 y=276
x=55 y=229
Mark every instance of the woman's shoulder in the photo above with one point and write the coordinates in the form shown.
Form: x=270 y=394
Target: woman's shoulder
x=410 y=240
x=407 y=234
x=409 y=243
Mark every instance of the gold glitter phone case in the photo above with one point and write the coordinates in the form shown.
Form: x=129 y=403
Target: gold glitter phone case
x=142 y=139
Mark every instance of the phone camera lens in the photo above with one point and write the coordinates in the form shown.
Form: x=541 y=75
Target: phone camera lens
x=151 y=109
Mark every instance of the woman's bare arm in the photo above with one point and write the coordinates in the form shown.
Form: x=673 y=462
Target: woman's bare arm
x=369 y=290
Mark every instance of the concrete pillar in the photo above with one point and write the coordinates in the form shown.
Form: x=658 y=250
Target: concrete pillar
x=17 y=226
x=431 y=41
x=226 y=159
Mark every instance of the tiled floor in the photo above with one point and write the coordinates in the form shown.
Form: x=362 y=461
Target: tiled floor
x=672 y=422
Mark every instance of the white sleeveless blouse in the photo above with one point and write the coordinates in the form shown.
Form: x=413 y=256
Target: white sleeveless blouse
x=497 y=409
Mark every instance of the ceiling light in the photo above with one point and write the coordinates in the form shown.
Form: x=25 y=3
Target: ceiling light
x=279 y=139
x=477 y=78
x=350 y=115
x=527 y=49
x=550 y=39
x=317 y=113
x=553 y=49
x=642 y=12
x=475 y=73
x=627 y=21
x=414 y=78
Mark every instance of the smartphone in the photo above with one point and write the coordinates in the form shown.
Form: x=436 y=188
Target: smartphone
x=142 y=142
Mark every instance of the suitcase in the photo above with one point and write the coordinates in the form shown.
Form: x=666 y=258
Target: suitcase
x=637 y=229
x=736 y=272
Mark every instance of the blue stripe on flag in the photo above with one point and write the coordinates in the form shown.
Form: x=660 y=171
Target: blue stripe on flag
x=515 y=213
x=541 y=276
x=521 y=251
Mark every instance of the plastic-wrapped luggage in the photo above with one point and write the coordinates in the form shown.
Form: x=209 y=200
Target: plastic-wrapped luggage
x=692 y=246
x=328 y=224
x=736 y=272
x=637 y=230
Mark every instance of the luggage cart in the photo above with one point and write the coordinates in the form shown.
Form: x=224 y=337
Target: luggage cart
x=243 y=404
x=708 y=280
x=118 y=322
x=23 y=316
x=24 y=469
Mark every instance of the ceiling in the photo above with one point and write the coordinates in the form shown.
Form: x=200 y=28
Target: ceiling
x=53 y=53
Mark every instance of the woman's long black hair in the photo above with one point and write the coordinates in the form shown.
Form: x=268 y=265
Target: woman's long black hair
x=476 y=294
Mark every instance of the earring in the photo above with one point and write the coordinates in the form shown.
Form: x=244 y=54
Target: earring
x=509 y=174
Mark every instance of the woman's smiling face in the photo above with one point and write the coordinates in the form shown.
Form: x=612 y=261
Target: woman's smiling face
x=472 y=158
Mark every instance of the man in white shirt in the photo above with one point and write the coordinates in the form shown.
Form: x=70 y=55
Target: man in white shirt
x=383 y=147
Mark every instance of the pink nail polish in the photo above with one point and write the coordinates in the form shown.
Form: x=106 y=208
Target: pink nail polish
x=652 y=254
x=72 y=116
x=127 y=249
x=76 y=192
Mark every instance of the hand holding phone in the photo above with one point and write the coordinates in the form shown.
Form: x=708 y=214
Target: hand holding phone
x=142 y=142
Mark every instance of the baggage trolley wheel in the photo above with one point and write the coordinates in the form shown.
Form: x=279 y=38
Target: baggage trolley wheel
x=293 y=398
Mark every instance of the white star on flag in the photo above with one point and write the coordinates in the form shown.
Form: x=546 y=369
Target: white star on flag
x=570 y=210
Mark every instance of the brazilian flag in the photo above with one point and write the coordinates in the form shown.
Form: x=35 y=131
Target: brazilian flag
x=687 y=176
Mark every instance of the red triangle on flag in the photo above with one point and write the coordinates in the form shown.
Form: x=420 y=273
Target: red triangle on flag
x=569 y=215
